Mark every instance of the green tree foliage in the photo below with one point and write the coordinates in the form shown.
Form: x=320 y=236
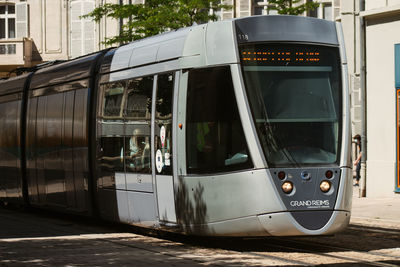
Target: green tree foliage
x=291 y=7
x=156 y=16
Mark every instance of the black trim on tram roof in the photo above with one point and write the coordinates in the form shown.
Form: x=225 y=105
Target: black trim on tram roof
x=281 y=28
x=105 y=69
x=105 y=66
x=73 y=70
x=13 y=85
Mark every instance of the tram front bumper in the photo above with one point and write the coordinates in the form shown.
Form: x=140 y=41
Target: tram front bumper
x=284 y=224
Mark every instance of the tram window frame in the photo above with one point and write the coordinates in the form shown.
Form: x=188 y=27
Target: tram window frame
x=132 y=159
x=163 y=118
x=106 y=88
x=215 y=140
x=137 y=146
x=137 y=84
x=111 y=153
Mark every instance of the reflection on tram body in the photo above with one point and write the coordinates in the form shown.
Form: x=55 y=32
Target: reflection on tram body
x=137 y=154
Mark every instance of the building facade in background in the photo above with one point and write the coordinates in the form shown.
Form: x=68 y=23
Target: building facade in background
x=37 y=31
x=380 y=35
x=372 y=36
x=329 y=9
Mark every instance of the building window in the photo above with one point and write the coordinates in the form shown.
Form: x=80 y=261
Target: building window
x=8 y=49
x=258 y=7
x=7 y=21
x=327 y=8
x=314 y=12
x=324 y=11
x=82 y=30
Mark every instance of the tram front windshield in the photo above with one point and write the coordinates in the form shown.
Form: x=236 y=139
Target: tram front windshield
x=295 y=96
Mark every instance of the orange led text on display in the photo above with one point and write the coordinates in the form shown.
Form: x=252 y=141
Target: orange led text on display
x=268 y=56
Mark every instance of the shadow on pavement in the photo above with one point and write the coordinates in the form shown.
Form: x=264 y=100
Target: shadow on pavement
x=45 y=239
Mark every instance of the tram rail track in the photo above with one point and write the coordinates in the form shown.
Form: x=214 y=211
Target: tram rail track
x=333 y=250
x=358 y=251
x=374 y=229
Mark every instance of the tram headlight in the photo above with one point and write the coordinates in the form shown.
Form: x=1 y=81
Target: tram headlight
x=287 y=187
x=325 y=186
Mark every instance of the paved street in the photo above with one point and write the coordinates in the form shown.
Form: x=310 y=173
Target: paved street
x=30 y=239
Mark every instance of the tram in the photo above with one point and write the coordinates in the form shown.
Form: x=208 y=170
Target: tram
x=230 y=128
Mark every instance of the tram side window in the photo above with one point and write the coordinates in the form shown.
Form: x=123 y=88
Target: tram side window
x=113 y=98
x=139 y=93
x=163 y=123
x=137 y=115
x=111 y=158
x=215 y=140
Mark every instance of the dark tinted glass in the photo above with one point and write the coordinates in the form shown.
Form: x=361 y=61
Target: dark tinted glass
x=215 y=140
x=163 y=124
x=139 y=92
x=11 y=28
x=295 y=96
x=11 y=9
x=2 y=29
x=112 y=154
x=137 y=153
x=137 y=117
x=113 y=95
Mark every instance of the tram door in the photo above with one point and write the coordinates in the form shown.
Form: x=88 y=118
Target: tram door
x=163 y=147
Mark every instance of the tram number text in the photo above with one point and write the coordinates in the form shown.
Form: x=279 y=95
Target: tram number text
x=243 y=37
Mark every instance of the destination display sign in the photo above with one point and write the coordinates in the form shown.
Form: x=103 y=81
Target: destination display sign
x=283 y=55
x=279 y=56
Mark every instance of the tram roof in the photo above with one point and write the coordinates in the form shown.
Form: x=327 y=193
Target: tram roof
x=150 y=50
x=13 y=85
x=203 y=39
x=73 y=70
x=286 y=28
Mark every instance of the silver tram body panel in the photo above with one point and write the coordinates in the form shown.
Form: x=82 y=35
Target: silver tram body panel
x=91 y=164
x=243 y=202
